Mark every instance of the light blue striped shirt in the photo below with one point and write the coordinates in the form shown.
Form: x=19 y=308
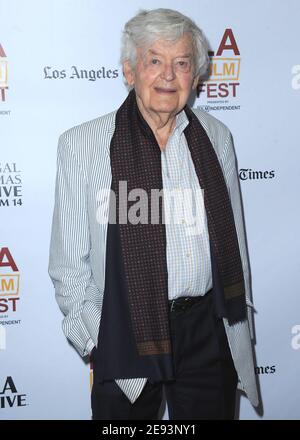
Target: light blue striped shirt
x=188 y=252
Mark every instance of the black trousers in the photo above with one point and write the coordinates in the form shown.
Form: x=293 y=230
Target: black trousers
x=206 y=380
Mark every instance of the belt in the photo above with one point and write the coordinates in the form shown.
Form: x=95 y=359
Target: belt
x=185 y=302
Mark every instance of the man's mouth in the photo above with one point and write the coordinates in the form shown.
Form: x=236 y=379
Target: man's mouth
x=164 y=90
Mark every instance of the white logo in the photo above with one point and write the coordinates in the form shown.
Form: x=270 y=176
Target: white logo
x=3 y=74
x=2 y=337
x=296 y=77
x=295 y=343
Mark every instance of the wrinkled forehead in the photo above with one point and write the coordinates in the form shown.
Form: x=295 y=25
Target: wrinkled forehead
x=181 y=47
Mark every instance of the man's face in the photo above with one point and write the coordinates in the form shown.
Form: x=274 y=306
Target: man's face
x=164 y=75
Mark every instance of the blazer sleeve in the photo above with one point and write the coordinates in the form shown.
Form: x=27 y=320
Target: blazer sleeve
x=232 y=181
x=69 y=267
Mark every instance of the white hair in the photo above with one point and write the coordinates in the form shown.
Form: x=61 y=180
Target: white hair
x=148 y=26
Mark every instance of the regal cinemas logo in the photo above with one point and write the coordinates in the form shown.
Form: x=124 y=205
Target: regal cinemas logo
x=3 y=74
x=9 y=395
x=224 y=74
x=9 y=283
x=10 y=185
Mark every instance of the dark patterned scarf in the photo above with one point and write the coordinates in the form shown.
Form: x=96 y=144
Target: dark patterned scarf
x=136 y=159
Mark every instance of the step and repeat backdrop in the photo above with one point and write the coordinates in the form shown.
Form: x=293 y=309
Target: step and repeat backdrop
x=59 y=66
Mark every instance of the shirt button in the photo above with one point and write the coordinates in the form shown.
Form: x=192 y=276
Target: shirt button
x=183 y=221
x=188 y=254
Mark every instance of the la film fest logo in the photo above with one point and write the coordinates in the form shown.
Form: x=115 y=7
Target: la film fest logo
x=224 y=75
x=181 y=206
x=296 y=77
x=9 y=286
x=10 y=397
x=10 y=185
x=3 y=74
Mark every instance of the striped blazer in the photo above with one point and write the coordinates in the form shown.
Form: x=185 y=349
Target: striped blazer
x=78 y=240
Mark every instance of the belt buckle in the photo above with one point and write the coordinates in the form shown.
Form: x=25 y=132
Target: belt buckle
x=172 y=305
x=181 y=306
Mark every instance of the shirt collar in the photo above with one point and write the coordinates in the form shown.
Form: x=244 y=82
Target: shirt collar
x=181 y=121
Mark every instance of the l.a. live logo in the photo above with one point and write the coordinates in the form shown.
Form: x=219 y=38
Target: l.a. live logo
x=9 y=396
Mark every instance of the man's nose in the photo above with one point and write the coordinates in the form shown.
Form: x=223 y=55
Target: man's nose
x=168 y=72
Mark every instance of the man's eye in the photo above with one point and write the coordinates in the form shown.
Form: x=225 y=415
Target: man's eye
x=182 y=63
x=154 y=61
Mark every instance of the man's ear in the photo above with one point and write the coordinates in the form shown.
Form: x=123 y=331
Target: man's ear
x=128 y=73
x=195 y=82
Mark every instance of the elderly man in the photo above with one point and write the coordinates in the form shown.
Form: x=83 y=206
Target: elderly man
x=158 y=305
